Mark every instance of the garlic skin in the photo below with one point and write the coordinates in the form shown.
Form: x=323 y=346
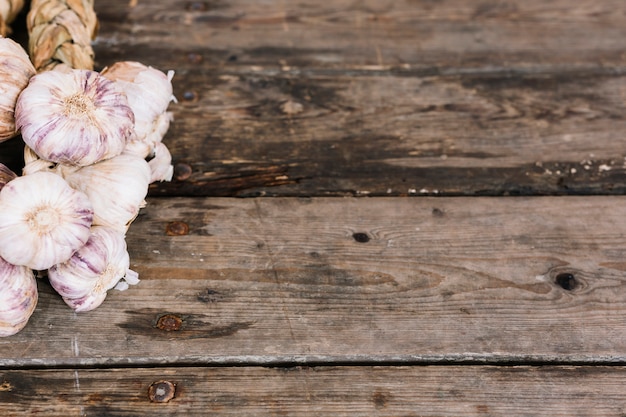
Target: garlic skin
x=9 y=9
x=18 y=297
x=149 y=92
x=161 y=164
x=6 y=175
x=15 y=71
x=33 y=163
x=76 y=117
x=116 y=187
x=43 y=221
x=100 y=265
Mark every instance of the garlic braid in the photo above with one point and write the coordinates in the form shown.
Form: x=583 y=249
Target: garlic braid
x=60 y=32
x=9 y=9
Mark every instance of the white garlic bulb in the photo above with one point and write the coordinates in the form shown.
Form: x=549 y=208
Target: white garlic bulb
x=76 y=117
x=43 y=221
x=149 y=92
x=116 y=187
x=102 y=264
x=18 y=297
x=15 y=71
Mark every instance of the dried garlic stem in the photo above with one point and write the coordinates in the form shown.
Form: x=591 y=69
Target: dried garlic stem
x=9 y=9
x=61 y=32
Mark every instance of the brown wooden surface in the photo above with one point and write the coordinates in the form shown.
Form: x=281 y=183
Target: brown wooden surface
x=414 y=298
x=338 y=391
x=275 y=281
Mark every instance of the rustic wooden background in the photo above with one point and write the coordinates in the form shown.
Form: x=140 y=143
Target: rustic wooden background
x=434 y=222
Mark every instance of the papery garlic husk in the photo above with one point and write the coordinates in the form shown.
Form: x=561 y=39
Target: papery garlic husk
x=149 y=92
x=15 y=71
x=116 y=187
x=33 y=163
x=43 y=220
x=161 y=164
x=76 y=118
x=60 y=33
x=18 y=297
x=102 y=264
x=6 y=175
x=9 y=9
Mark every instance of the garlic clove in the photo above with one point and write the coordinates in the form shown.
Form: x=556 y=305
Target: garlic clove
x=76 y=117
x=15 y=71
x=18 y=297
x=161 y=165
x=100 y=265
x=116 y=187
x=43 y=221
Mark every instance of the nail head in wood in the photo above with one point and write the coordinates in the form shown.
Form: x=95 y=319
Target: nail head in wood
x=182 y=171
x=169 y=323
x=161 y=391
x=177 y=228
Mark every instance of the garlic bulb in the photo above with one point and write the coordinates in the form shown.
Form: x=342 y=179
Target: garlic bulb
x=116 y=187
x=103 y=263
x=18 y=297
x=43 y=221
x=76 y=117
x=149 y=92
x=15 y=71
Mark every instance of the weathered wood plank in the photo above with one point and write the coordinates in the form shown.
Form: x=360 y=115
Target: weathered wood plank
x=343 y=34
x=342 y=391
x=396 y=135
x=407 y=97
x=415 y=280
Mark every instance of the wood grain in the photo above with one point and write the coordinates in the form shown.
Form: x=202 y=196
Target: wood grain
x=380 y=280
x=393 y=98
x=320 y=391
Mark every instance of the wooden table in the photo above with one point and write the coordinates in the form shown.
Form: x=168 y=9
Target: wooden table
x=380 y=208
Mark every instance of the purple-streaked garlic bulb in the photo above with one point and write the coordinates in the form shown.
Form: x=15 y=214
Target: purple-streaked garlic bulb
x=74 y=117
x=15 y=71
x=18 y=297
x=43 y=220
x=100 y=265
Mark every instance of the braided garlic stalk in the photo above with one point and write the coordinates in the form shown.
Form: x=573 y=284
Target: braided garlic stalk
x=61 y=32
x=9 y=9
